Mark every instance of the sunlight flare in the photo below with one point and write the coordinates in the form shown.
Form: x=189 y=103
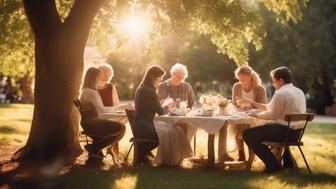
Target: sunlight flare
x=136 y=25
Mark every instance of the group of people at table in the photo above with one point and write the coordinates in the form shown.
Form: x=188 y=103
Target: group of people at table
x=99 y=98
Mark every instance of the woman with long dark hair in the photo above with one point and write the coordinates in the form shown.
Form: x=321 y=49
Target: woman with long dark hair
x=173 y=143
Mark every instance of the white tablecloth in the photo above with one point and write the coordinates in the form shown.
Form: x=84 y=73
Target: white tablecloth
x=212 y=124
x=118 y=116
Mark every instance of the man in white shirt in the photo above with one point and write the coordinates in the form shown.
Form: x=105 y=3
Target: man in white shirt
x=287 y=99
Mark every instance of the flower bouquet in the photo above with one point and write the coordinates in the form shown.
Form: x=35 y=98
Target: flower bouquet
x=212 y=102
x=222 y=105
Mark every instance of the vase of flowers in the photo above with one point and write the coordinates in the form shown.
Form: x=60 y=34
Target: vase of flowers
x=214 y=102
x=222 y=105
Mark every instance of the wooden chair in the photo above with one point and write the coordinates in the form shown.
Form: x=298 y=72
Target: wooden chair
x=90 y=135
x=135 y=140
x=280 y=146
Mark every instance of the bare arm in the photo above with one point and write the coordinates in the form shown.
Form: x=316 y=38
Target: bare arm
x=259 y=106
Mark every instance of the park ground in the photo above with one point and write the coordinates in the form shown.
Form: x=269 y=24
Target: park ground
x=319 y=148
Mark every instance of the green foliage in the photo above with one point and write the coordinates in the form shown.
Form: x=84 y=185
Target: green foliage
x=16 y=40
x=64 y=8
x=231 y=26
x=307 y=48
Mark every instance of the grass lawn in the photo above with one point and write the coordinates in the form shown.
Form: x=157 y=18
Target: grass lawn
x=320 y=150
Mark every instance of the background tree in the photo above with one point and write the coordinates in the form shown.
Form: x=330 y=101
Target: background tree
x=59 y=48
x=16 y=42
x=307 y=48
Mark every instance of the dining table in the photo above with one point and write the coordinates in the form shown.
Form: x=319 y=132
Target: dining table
x=211 y=125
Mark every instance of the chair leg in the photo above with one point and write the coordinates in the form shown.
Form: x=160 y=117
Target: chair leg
x=129 y=151
x=305 y=160
x=87 y=140
x=136 y=153
x=195 y=145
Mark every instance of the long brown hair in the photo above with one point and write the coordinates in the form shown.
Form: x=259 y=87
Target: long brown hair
x=247 y=70
x=151 y=74
x=90 y=79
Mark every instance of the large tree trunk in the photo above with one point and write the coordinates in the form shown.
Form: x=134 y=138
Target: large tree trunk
x=58 y=76
x=59 y=48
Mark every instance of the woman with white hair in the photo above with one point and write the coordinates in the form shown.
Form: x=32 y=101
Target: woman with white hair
x=107 y=90
x=248 y=87
x=109 y=95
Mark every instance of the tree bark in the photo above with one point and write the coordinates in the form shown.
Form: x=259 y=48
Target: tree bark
x=59 y=49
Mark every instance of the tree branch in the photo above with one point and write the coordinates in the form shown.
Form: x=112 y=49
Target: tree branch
x=42 y=15
x=81 y=16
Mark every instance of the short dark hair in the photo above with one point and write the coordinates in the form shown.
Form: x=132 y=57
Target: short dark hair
x=151 y=74
x=282 y=73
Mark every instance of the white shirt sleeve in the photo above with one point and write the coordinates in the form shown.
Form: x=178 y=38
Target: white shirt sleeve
x=273 y=108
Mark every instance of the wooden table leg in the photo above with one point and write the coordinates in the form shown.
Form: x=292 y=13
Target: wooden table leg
x=211 y=150
x=222 y=149
x=195 y=145
x=250 y=159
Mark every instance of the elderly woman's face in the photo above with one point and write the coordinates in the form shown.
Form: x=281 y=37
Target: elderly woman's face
x=99 y=80
x=177 y=78
x=106 y=74
x=245 y=80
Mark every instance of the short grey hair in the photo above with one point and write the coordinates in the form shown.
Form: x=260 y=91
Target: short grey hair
x=179 y=68
x=106 y=68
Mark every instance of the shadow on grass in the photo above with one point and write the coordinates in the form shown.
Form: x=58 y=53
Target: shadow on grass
x=6 y=106
x=7 y=130
x=301 y=179
x=145 y=176
x=149 y=177
x=25 y=120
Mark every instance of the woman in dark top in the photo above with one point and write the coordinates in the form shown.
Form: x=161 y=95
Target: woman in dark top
x=147 y=104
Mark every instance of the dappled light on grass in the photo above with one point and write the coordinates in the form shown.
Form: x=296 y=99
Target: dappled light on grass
x=53 y=169
x=319 y=148
x=319 y=152
x=15 y=122
x=125 y=182
x=287 y=181
x=267 y=182
x=186 y=164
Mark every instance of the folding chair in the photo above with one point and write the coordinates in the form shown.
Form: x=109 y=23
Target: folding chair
x=282 y=145
x=90 y=135
x=135 y=140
